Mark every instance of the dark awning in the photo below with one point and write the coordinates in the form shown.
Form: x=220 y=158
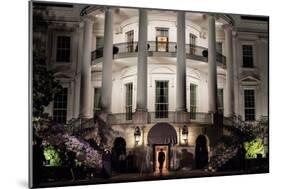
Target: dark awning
x=162 y=133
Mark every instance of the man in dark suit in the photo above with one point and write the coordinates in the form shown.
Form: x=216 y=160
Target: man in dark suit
x=161 y=159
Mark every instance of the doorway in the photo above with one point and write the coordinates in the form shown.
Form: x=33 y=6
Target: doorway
x=156 y=150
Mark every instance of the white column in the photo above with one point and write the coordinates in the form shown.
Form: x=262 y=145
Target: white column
x=229 y=92
x=86 y=89
x=212 y=65
x=142 y=62
x=106 y=88
x=181 y=66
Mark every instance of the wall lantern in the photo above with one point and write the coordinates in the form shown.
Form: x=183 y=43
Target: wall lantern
x=184 y=133
x=137 y=135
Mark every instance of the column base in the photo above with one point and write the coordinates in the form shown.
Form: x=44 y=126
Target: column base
x=140 y=117
x=182 y=117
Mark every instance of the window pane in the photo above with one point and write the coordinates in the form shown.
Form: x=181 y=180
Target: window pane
x=247 y=56
x=60 y=106
x=249 y=105
x=63 y=49
x=161 y=99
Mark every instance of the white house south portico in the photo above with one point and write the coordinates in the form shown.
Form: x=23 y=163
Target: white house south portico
x=161 y=79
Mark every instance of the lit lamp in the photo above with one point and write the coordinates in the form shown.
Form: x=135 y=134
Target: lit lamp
x=184 y=133
x=137 y=135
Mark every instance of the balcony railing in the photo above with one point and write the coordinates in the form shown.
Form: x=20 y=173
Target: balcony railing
x=197 y=117
x=131 y=48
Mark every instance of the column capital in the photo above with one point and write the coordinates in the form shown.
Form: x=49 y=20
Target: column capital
x=227 y=27
x=88 y=18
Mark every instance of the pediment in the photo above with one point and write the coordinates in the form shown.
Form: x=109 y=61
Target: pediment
x=250 y=80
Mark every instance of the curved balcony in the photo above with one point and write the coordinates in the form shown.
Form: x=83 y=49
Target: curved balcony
x=158 y=49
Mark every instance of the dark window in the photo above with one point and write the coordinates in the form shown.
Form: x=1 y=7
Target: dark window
x=99 y=42
x=97 y=99
x=130 y=40
x=220 y=100
x=129 y=101
x=249 y=105
x=161 y=105
x=219 y=47
x=247 y=56
x=63 y=49
x=60 y=106
x=192 y=43
x=193 y=101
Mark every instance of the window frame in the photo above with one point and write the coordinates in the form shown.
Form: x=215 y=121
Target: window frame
x=254 y=105
x=94 y=104
x=163 y=113
x=192 y=46
x=65 y=109
x=191 y=105
x=248 y=56
x=129 y=106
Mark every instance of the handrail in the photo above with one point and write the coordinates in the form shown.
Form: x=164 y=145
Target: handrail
x=192 y=51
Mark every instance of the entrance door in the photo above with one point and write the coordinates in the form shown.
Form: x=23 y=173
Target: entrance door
x=157 y=149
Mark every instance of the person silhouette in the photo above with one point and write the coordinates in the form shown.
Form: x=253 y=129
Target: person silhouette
x=161 y=159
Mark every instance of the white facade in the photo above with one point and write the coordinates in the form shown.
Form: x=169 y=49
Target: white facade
x=161 y=66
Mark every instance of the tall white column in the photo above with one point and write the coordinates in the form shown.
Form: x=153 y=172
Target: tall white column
x=212 y=65
x=181 y=66
x=142 y=63
x=86 y=89
x=106 y=87
x=229 y=92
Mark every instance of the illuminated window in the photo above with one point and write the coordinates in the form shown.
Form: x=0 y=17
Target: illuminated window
x=193 y=101
x=97 y=99
x=63 y=49
x=162 y=39
x=60 y=106
x=129 y=101
x=247 y=56
x=249 y=105
x=161 y=105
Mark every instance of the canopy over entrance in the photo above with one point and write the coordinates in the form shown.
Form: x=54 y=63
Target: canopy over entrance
x=162 y=133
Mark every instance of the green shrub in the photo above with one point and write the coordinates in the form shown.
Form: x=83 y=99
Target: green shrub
x=52 y=156
x=253 y=148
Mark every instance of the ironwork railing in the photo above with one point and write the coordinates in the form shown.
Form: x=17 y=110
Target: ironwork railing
x=192 y=51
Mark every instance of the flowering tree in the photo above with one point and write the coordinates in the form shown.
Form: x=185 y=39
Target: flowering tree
x=55 y=135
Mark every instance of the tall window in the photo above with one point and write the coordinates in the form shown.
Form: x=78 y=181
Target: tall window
x=99 y=42
x=247 y=56
x=219 y=47
x=220 y=100
x=63 y=49
x=130 y=40
x=97 y=99
x=162 y=32
x=129 y=101
x=249 y=105
x=161 y=101
x=162 y=38
x=192 y=43
x=60 y=106
x=193 y=101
